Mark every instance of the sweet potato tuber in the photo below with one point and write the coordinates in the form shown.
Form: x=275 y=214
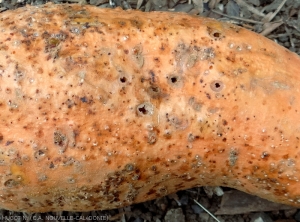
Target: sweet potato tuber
x=104 y=108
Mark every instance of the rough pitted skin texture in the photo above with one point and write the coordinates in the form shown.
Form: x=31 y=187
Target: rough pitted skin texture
x=104 y=108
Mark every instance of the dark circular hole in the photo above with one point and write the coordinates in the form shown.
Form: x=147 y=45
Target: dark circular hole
x=217 y=86
x=143 y=110
x=123 y=79
x=174 y=79
x=217 y=35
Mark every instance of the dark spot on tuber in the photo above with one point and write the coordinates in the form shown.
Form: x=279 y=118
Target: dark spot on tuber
x=152 y=137
x=216 y=85
x=217 y=35
x=51 y=166
x=8 y=142
x=145 y=109
x=233 y=156
x=129 y=167
x=60 y=140
x=175 y=81
x=84 y=99
x=38 y=154
x=123 y=79
x=10 y=183
x=154 y=92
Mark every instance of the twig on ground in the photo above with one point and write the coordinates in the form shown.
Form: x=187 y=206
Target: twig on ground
x=139 y=4
x=275 y=36
x=112 y=3
x=270 y=27
x=290 y=37
x=206 y=210
x=269 y=17
x=294 y=25
x=237 y=18
x=249 y=7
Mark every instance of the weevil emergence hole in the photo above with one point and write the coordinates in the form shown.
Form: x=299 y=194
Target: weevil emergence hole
x=123 y=79
x=217 y=86
x=145 y=109
x=217 y=35
x=175 y=80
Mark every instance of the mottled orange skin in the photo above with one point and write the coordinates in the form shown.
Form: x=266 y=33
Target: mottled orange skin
x=104 y=108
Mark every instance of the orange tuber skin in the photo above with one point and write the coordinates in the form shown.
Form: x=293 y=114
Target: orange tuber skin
x=104 y=108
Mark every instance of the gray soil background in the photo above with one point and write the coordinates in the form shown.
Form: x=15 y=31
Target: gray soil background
x=278 y=20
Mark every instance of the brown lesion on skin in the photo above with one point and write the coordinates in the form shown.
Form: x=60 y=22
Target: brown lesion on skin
x=121 y=23
x=233 y=156
x=188 y=55
x=53 y=43
x=152 y=137
x=11 y=183
x=60 y=140
x=195 y=104
x=136 y=23
x=154 y=91
x=163 y=47
x=137 y=55
x=231 y=57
